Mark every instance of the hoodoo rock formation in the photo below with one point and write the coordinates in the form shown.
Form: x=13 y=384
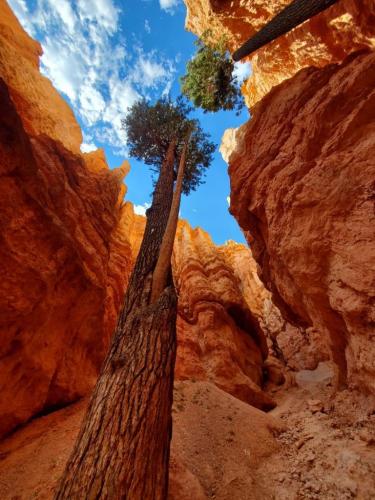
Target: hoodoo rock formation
x=219 y=338
x=346 y=27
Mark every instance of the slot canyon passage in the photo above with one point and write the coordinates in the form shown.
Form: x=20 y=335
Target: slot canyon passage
x=274 y=390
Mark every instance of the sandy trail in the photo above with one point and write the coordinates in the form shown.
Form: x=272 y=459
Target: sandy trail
x=313 y=445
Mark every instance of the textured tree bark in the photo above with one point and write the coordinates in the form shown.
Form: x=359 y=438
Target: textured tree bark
x=290 y=17
x=160 y=276
x=122 y=451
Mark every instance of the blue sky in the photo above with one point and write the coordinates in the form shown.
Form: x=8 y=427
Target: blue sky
x=103 y=55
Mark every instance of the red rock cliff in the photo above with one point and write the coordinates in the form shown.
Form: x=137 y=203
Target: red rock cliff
x=302 y=188
x=63 y=267
x=219 y=338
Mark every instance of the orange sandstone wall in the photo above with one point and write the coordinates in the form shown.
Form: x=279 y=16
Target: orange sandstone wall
x=297 y=347
x=63 y=265
x=344 y=28
x=302 y=188
x=302 y=172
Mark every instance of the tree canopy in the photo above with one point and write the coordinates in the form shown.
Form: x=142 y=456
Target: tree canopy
x=151 y=127
x=209 y=82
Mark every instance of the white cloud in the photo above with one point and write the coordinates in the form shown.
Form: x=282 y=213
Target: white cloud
x=92 y=103
x=63 y=65
x=168 y=5
x=123 y=95
x=102 y=12
x=242 y=71
x=65 y=11
x=87 y=148
x=141 y=209
x=153 y=71
x=147 y=26
x=86 y=57
x=148 y=72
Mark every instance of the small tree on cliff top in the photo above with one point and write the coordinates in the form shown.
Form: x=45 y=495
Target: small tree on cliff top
x=209 y=82
x=122 y=450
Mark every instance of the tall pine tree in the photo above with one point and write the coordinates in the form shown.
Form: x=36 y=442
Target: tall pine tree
x=122 y=451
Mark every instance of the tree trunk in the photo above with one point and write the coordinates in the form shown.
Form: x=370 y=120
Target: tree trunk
x=122 y=451
x=160 y=276
x=290 y=17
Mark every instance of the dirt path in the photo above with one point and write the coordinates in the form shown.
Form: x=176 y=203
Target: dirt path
x=328 y=450
x=313 y=445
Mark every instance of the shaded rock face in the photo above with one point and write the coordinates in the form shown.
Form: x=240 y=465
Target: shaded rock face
x=302 y=188
x=344 y=28
x=219 y=338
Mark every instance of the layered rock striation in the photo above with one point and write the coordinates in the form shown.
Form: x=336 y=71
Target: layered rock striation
x=219 y=337
x=346 y=27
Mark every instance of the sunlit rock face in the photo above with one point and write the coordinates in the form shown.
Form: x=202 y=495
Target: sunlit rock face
x=344 y=28
x=63 y=259
x=302 y=188
x=219 y=338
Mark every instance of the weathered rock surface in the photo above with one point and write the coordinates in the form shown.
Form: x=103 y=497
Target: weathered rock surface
x=297 y=347
x=344 y=28
x=302 y=188
x=62 y=263
x=42 y=109
x=302 y=176
x=219 y=338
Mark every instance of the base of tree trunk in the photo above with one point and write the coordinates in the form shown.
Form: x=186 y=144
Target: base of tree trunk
x=122 y=451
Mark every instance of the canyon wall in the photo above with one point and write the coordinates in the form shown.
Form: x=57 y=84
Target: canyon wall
x=302 y=187
x=302 y=172
x=297 y=348
x=68 y=242
x=346 y=27
x=62 y=264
